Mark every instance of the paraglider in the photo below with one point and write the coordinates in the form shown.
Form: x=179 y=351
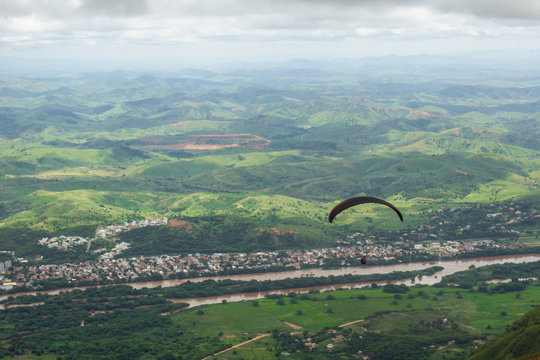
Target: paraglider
x=344 y=205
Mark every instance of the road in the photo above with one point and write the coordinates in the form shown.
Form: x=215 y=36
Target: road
x=237 y=345
x=265 y=335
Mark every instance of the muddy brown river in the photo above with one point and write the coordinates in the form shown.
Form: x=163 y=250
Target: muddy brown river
x=450 y=267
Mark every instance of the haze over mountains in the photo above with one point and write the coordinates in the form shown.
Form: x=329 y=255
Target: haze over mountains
x=157 y=140
x=276 y=146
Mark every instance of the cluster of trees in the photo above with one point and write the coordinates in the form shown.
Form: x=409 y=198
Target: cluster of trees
x=98 y=323
x=397 y=289
x=505 y=287
x=413 y=342
x=213 y=288
x=469 y=278
x=404 y=345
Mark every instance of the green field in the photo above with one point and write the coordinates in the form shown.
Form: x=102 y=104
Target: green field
x=473 y=313
x=196 y=332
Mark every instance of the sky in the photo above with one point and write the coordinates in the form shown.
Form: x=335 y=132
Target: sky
x=201 y=32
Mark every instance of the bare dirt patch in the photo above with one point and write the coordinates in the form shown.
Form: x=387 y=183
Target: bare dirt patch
x=179 y=224
x=227 y=336
x=93 y=313
x=422 y=113
x=351 y=323
x=283 y=231
x=277 y=231
x=181 y=124
x=295 y=327
x=209 y=142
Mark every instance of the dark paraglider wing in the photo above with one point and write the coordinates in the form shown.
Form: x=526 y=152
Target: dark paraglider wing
x=357 y=201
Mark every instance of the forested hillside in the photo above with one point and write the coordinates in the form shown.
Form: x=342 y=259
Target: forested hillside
x=521 y=340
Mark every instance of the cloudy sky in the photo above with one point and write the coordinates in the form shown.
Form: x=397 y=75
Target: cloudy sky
x=191 y=32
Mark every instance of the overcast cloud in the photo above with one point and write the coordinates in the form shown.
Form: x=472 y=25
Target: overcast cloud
x=252 y=29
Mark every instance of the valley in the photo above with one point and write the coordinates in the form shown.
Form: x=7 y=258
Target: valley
x=180 y=178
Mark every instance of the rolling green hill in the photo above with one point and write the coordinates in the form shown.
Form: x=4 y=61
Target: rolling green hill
x=97 y=149
x=521 y=340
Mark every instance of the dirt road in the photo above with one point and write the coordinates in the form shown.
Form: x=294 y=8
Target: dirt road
x=350 y=323
x=237 y=345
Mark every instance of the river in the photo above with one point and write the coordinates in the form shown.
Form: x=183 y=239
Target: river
x=450 y=267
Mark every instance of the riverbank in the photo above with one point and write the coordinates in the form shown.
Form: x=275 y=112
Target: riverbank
x=41 y=276
x=449 y=267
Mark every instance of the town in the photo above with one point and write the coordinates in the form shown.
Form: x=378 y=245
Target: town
x=493 y=233
x=193 y=265
x=111 y=230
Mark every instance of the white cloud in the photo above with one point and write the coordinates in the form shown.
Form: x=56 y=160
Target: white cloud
x=260 y=26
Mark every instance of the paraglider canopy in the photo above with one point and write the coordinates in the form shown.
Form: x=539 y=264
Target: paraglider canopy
x=357 y=201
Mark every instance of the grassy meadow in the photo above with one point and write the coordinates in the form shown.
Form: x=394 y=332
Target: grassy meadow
x=477 y=314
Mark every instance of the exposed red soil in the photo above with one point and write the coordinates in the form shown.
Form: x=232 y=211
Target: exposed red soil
x=277 y=232
x=205 y=142
x=179 y=224
x=180 y=124
x=283 y=231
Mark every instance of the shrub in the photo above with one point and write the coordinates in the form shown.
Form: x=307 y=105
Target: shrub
x=399 y=289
